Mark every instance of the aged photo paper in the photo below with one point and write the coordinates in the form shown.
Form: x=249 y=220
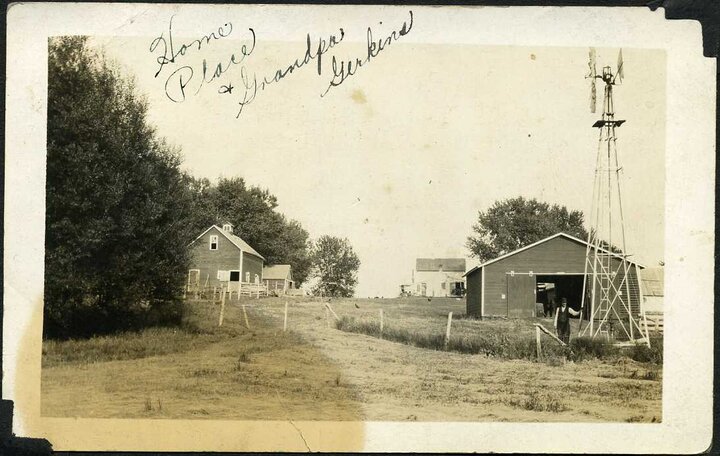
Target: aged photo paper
x=358 y=228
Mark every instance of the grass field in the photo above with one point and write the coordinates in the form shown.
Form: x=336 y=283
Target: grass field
x=317 y=372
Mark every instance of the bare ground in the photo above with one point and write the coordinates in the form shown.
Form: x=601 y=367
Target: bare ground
x=315 y=372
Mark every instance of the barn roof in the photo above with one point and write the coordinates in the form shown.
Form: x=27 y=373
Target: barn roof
x=435 y=264
x=236 y=240
x=277 y=272
x=542 y=241
x=652 y=281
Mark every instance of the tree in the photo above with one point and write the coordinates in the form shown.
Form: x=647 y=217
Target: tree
x=252 y=211
x=335 y=265
x=516 y=222
x=117 y=205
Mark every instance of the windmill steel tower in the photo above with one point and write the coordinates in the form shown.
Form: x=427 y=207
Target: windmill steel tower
x=611 y=303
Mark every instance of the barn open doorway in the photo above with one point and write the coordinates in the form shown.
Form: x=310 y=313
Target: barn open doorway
x=551 y=288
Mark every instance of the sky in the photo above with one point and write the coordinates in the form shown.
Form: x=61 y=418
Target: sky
x=402 y=155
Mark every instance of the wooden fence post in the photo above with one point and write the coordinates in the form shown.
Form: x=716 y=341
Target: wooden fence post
x=222 y=307
x=247 y=323
x=537 y=341
x=332 y=311
x=382 y=323
x=285 y=320
x=447 y=331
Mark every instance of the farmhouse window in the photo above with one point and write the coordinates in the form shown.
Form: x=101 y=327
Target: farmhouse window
x=213 y=242
x=223 y=276
x=234 y=276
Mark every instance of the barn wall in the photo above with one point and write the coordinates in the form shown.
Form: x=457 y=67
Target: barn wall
x=473 y=297
x=554 y=256
x=654 y=304
x=226 y=257
x=436 y=280
x=275 y=284
x=253 y=265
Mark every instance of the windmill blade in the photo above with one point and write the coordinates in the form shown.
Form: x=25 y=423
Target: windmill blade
x=620 y=74
x=591 y=64
x=591 y=74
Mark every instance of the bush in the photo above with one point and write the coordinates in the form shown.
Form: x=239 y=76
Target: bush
x=654 y=354
x=582 y=348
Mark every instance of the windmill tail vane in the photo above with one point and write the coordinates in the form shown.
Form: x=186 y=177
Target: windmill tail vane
x=620 y=72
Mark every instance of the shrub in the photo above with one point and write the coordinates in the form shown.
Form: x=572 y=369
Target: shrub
x=643 y=354
x=582 y=348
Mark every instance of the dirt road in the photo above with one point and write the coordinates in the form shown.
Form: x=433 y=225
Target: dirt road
x=320 y=373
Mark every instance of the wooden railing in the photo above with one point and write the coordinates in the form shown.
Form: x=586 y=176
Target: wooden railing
x=655 y=322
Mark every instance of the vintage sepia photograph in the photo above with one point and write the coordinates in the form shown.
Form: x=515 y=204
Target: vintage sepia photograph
x=493 y=251
x=266 y=220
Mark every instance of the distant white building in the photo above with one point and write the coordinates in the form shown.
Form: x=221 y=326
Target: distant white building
x=653 y=285
x=436 y=277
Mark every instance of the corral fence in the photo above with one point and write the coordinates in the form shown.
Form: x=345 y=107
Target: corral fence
x=655 y=322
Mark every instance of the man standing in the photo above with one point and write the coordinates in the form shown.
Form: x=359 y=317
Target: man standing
x=562 y=320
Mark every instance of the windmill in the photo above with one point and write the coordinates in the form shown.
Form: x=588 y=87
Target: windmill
x=611 y=296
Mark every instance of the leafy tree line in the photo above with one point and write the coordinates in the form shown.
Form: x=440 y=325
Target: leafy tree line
x=516 y=222
x=513 y=223
x=120 y=212
x=116 y=201
x=252 y=212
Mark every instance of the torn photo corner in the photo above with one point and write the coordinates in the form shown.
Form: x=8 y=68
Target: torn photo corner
x=358 y=229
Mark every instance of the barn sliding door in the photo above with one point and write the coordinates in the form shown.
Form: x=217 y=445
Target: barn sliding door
x=520 y=295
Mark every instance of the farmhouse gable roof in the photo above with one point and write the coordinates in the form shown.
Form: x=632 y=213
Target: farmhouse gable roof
x=437 y=264
x=236 y=240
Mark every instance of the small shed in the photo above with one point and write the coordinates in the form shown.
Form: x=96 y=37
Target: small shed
x=653 y=289
x=513 y=284
x=221 y=258
x=278 y=278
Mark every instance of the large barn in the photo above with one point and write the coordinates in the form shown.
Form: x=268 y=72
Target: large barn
x=222 y=259
x=513 y=285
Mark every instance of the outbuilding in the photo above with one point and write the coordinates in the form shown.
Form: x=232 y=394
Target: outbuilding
x=438 y=277
x=223 y=259
x=515 y=284
x=278 y=278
